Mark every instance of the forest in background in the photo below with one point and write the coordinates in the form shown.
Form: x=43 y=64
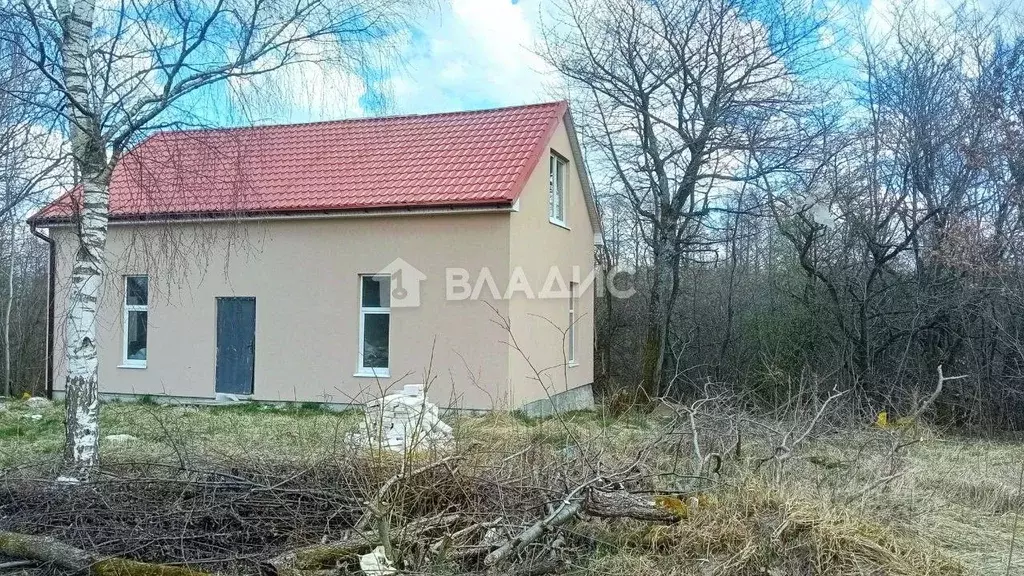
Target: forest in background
x=800 y=221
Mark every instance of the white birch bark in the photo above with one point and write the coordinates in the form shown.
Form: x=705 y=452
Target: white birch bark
x=7 y=312
x=81 y=448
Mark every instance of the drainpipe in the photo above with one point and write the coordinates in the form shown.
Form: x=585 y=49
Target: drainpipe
x=51 y=268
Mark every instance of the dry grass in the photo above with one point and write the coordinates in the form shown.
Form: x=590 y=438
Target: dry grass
x=168 y=433
x=756 y=530
x=958 y=496
x=947 y=508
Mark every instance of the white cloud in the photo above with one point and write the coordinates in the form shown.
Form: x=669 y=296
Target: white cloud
x=936 y=19
x=881 y=15
x=469 y=54
x=475 y=53
x=314 y=88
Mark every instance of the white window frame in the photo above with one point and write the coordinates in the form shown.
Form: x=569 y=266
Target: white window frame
x=127 y=308
x=555 y=161
x=571 y=335
x=369 y=371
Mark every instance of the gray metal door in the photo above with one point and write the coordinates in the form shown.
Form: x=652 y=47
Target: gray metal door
x=236 y=344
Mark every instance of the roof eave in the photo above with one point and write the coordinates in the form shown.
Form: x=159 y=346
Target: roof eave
x=588 y=190
x=170 y=218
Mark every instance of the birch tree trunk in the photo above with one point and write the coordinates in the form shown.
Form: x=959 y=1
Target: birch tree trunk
x=7 y=312
x=81 y=444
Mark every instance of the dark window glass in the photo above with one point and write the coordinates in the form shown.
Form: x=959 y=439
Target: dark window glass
x=376 y=292
x=136 y=290
x=375 y=340
x=136 y=335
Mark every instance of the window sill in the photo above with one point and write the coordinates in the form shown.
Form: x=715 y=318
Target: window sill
x=573 y=364
x=379 y=373
x=132 y=366
x=559 y=224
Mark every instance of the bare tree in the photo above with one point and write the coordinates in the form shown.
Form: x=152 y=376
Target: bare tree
x=29 y=163
x=876 y=231
x=675 y=97
x=890 y=244
x=121 y=71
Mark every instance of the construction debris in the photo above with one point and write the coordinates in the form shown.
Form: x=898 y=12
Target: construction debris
x=404 y=421
x=37 y=402
x=376 y=563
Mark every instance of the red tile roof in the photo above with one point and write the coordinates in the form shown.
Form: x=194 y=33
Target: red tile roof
x=460 y=158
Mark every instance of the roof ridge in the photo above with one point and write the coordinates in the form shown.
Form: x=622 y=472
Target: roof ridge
x=355 y=120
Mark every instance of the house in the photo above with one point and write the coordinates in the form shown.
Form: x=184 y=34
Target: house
x=330 y=261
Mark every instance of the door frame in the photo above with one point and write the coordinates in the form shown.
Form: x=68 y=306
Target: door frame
x=216 y=342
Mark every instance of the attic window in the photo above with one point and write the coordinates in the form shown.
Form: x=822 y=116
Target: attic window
x=557 y=178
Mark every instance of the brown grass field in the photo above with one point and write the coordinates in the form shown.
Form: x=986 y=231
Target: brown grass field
x=852 y=499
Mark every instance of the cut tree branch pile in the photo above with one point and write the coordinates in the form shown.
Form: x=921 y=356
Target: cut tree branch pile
x=318 y=557
x=456 y=510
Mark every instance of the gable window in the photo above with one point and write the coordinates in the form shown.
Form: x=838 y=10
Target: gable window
x=374 y=325
x=136 y=318
x=557 y=179
x=572 y=324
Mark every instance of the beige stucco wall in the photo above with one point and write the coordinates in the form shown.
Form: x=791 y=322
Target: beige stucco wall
x=304 y=276
x=535 y=246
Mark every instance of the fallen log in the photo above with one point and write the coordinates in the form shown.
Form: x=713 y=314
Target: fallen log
x=596 y=502
x=623 y=504
x=47 y=550
x=320 y=556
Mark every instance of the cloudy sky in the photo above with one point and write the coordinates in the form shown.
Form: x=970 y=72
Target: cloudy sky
x=471 y=54
x=475 y=53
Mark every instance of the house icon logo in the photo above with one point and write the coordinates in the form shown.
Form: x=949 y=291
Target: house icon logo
x=405 y=283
